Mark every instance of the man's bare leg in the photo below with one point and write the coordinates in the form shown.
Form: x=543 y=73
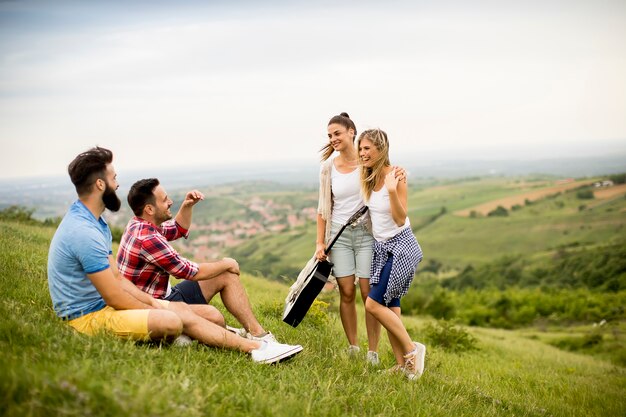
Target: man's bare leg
x=210 y=313
x=164 y=324
x=208 y=332
x=235 y=299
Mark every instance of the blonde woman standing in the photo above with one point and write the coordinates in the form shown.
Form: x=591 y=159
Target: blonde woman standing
x=396 y=251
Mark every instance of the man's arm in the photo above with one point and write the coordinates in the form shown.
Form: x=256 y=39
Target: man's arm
x=113 y=293
x=208 y=270
x=130 y=288
x=157 y=251
x=95 y=254
x=183 y=217
x=139 y=295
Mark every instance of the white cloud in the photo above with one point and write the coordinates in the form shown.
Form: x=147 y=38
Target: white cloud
x=215 y=84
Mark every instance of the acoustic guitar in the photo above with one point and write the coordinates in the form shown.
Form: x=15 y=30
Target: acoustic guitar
x=312 y=279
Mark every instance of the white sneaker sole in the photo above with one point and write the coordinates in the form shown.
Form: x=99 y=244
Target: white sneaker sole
x=422 y=357
x=283 y=356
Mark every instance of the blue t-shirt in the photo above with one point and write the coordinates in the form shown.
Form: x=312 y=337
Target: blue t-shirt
x=80 y=246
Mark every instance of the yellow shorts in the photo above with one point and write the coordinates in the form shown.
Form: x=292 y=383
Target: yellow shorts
x=129 y=324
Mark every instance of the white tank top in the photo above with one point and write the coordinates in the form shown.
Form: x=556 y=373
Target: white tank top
x=383 y=226
x=346 y=194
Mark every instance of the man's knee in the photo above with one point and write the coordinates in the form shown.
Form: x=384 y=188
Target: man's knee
x=163 y=323
x=210 y=313
x=215 y=316
x=219 y=283
x=231 y=278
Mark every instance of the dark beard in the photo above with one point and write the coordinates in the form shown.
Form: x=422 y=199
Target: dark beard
x=161 y=219
x=111 y=200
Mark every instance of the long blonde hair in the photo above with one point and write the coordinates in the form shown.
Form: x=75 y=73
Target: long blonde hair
x=371 y=176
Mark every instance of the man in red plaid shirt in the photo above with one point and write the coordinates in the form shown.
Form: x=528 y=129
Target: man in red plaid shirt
x=146 y=258
x=88 y=293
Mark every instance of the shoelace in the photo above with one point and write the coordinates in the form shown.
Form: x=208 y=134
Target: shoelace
x=394 y=369
x=409 y=363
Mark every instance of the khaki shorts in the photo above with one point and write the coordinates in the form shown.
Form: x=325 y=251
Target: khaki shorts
x=352 y=252
x=129 y=324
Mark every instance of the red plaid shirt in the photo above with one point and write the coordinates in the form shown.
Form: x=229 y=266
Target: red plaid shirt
x=147 y=259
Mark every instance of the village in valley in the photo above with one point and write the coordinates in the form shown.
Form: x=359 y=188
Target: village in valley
x=207 y=241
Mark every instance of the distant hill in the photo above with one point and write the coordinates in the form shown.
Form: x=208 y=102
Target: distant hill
x=50 y=196
x=533 y=230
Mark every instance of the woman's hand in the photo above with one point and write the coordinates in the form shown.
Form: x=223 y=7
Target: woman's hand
x=319 y=251
x=400 y=173
x=391 y=180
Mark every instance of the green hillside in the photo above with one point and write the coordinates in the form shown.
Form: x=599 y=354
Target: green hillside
x=557 y=261
x=49 y=370
x=532 y=231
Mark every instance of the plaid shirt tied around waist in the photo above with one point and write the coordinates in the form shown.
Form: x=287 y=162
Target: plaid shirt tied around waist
x=146 y=258
x=407 y=254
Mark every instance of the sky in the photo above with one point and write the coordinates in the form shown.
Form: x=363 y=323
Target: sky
x=230 y=83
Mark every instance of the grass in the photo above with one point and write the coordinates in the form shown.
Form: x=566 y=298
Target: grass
x=49 y=370
x=529 y=231
x=601 y=340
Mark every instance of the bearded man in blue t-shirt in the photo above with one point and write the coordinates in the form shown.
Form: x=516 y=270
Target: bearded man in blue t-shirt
x=89 y=294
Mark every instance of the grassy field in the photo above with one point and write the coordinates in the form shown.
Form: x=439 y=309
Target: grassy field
x=526 y=194
x=49 y=370
x=534 y=231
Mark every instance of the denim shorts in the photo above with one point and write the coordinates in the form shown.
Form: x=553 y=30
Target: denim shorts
x=352 y=253
x=377 y=291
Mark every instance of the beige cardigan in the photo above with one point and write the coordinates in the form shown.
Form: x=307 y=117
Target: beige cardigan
x=325 y=204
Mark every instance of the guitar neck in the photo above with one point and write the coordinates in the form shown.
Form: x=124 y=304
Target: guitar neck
x=332 y=242
x=356 y=216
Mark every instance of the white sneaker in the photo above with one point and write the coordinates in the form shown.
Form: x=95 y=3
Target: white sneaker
x=274 y=352
x=239 y=331
x=182 y=340
x=372 y=358
x=414 y=361
x=267 y=337
x=353 y=350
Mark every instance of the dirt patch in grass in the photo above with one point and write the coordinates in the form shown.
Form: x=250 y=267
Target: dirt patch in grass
x=508 y=202
x=609 y=192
